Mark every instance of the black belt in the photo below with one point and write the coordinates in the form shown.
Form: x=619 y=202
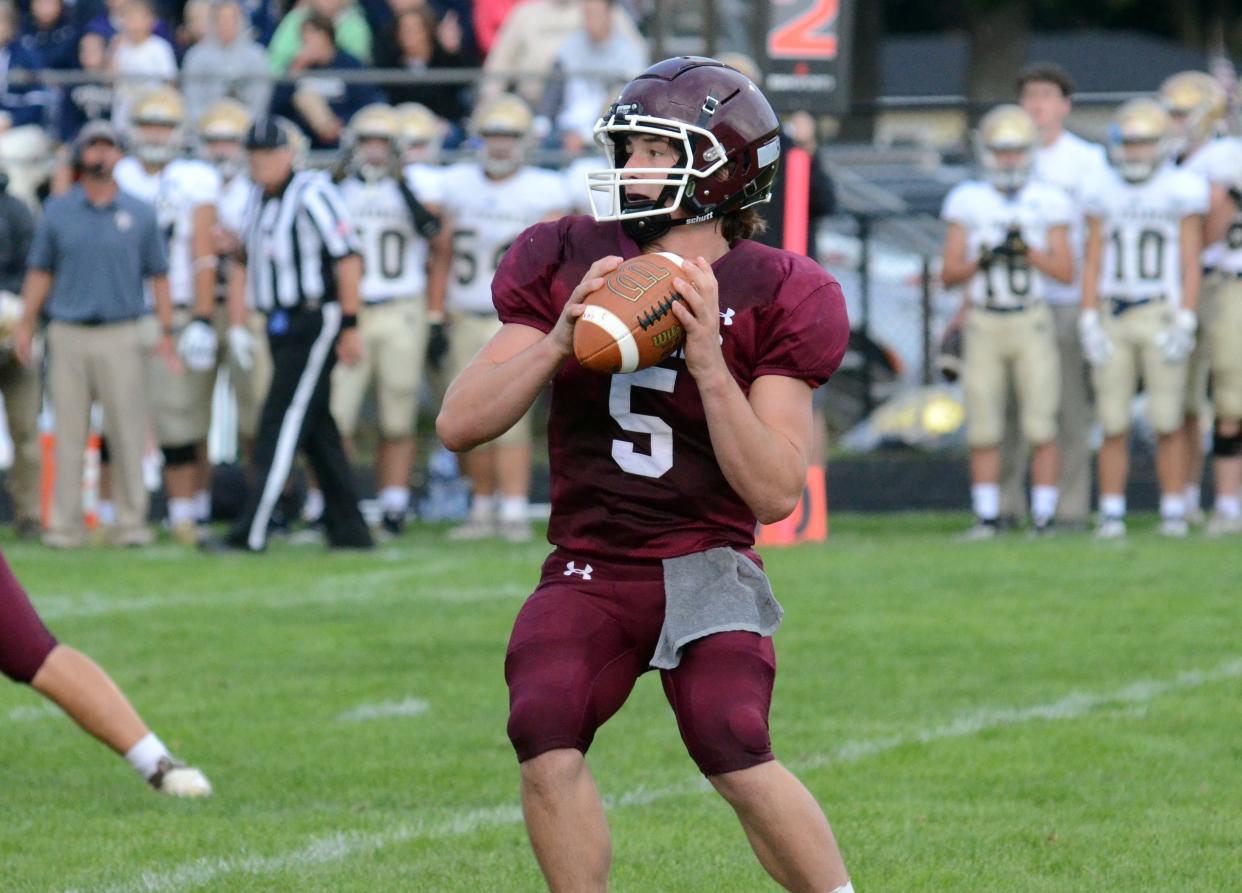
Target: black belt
x=95 y=321
x=1121 y=305
x=1000 y=308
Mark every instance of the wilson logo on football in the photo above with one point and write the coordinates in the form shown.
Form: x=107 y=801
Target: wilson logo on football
x=638 y=278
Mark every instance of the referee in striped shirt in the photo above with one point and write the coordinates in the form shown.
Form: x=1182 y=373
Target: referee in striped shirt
x=299 y=261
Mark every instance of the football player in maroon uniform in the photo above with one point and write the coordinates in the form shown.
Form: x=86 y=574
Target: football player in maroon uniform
x=31 y=655
x=658 y=476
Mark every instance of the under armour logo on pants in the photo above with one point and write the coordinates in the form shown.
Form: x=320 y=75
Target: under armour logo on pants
x=584 y=572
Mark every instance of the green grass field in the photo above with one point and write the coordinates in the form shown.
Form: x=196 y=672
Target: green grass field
x=1058 y=715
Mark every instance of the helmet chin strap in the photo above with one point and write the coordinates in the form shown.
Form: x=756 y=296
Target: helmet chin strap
x=647 y=229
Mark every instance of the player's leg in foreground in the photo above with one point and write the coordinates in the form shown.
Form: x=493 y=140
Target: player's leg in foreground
x=29 y=654
x=720 y=693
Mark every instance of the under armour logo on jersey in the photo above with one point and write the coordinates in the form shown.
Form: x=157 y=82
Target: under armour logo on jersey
x=726 y=316
x=584 y=572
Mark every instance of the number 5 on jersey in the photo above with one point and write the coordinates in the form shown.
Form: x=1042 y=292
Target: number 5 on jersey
x=659 y=459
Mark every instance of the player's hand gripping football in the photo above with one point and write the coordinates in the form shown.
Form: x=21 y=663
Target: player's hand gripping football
x=562 y=335
x=699 y=314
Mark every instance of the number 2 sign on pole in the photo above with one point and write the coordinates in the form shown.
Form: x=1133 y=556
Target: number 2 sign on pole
x=806 y=53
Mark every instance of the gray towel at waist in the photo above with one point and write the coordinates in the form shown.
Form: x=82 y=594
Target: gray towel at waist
x=716 y=591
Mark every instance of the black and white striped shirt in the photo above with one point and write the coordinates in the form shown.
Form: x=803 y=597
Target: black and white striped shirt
x=292 y=241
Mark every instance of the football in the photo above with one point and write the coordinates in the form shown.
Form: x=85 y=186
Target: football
x=629 y=323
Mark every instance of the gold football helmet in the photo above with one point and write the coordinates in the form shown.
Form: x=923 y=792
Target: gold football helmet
x=369 y=124
x=1005 y=146
x=1140 y=139
x=504 y=125
x=419 y=133
x=1196 y=104
x=157 y=121
x=221 y=131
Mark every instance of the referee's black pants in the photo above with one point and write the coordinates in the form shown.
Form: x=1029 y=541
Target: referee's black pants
x=296 y=416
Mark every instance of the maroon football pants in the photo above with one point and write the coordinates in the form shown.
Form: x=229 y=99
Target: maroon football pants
x=588 y=632
x=25 y=642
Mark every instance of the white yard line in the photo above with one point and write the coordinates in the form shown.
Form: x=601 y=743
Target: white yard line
x=342 y=845
x=34 y=712
x=385 y=710
x=357 y=588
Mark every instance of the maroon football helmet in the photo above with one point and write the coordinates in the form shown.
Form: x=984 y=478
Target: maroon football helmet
x=715 y=118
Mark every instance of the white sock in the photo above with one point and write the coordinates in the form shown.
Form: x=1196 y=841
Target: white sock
x=181 y=511
x=482 y=508
x=985 y=499
x=1228 y=507
x=513 y=508
x=1172 y=506
x=1193 y=495
x=1043 y=503
x=146 y=754
x=202 y=505
x=848 y=888
x=313 y=507
x=106 y=512
x=1113 y=505
x=395 y=500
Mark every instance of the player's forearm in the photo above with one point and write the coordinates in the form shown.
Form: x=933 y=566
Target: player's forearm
x=348 y=283
x=439 y=263
x=1220 y=214
x=205 y=261
x=1191 y=251
x=1055 y=265
x=489 y=398
x=1091 y=266
x=761 y=464
x=955 y=270
x=235 y=300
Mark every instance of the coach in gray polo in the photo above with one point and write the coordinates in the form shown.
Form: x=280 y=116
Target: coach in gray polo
x=91 y=253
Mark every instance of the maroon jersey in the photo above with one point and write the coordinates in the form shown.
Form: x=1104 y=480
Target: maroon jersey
x=633 y=470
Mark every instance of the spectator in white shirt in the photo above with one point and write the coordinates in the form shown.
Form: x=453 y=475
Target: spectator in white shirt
x=139 y=58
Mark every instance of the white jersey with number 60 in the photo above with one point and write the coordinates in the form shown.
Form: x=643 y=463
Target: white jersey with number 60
x=1141 y=231
x=486 y=216
x=394 y=256
x=174 y=191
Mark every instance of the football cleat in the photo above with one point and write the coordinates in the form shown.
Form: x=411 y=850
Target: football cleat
x=176 y=779
x=1223 y=525
x=518 y=531
x=393 y=523
x=474 y=529
x=1174 y=528
x=980 y=531
x=186 y=533
x=1111 y=529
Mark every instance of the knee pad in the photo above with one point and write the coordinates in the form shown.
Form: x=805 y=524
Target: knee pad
x=185 y=454
x=1227 y=446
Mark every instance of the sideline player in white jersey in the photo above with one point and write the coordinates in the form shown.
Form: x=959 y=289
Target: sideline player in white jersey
x=1197 y=104
x=1140 y=293
x=184 y=193
x=488 y=202
x=1224 y=336
x=1068 y=162
x=1007 y=235
x=397 y=234
x=420 y=134
x=221 y=130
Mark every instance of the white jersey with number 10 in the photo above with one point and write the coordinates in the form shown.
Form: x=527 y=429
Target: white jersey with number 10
x=1141 y=230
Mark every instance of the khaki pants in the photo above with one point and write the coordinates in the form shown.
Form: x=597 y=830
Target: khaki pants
x=999 y=345
x=468 y=334
x=394 y=343
x=1224 y=335
x=1199 y=365
x=1136 y=356
x=104 y=363
x=20 y=386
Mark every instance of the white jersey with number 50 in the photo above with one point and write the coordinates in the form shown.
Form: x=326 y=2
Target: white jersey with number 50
x=394 y=256
x=1141 y=231
x=987 y=215
x=486 y=216
x=174 y=191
